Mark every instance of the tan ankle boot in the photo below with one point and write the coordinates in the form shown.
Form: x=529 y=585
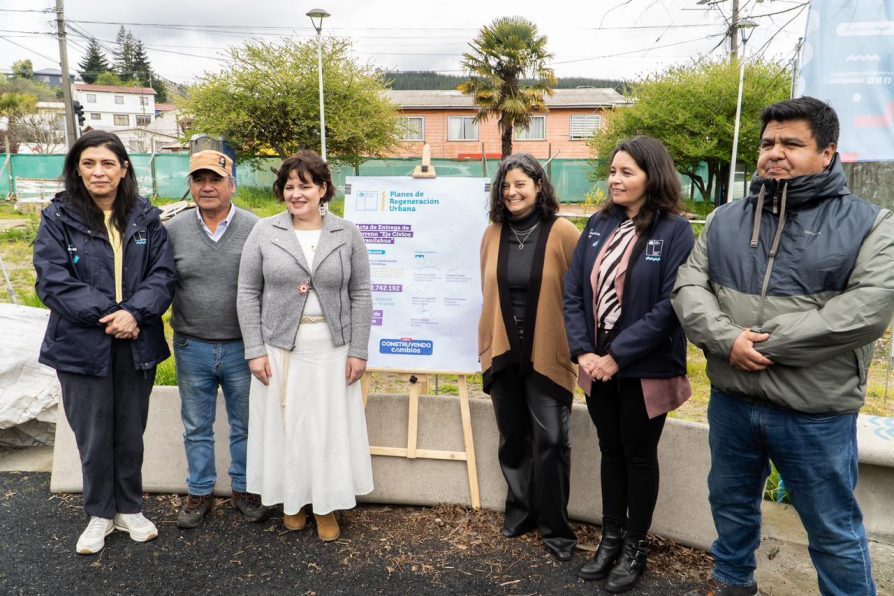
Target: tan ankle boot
x=327 y=527
x=296 y=522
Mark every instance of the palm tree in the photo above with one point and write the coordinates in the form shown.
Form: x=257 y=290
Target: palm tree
x=508 y=75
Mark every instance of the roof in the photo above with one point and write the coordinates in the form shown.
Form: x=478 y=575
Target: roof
x=561 y=98
x=115 y=89
x=165 y=107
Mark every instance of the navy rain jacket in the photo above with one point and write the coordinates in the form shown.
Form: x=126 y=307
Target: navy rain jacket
x=650 y=342
x=76 y=280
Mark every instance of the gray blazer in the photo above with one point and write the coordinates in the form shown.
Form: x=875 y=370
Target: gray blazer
x=273 y=266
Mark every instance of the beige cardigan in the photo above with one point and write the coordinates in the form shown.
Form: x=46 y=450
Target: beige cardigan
x=498 y=343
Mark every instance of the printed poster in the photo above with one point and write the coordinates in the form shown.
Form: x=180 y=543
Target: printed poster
x=423 y=237
x=848 y=61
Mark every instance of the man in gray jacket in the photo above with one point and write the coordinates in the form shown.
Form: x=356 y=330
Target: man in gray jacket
x=208 y=344
x=785 y=292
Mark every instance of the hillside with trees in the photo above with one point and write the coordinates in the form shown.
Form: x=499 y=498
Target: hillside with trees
x=428 y=79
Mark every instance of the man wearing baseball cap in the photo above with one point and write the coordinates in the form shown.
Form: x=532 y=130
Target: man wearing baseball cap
x=207 y=341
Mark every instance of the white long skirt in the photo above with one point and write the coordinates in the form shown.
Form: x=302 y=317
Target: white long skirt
x=312 y=446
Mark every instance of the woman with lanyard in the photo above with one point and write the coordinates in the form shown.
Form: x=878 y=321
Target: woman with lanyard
x=630 y=347
x=305 y=311
x=106 y=272
x=523 y=350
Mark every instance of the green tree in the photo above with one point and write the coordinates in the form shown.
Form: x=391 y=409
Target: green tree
x=267 y=100
x=692 y=109
x=41 y=91
x=23 y=69
x=142 y=70
x=14 y=106
x=508 y=75
x=94 y=63
x=110 y=78
x=124 y=55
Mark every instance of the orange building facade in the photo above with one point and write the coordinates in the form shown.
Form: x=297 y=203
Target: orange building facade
x=444 y=120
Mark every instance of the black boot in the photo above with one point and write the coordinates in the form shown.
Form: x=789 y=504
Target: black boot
x=606 y=554
x=630 y=566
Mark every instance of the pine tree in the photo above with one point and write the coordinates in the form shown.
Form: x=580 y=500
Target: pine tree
x=94 y=62
x=124 y=55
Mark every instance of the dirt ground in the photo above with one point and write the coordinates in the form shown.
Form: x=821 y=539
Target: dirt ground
x=383 y=550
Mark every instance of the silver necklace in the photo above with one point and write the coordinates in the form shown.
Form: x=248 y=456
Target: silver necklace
x=521 y=236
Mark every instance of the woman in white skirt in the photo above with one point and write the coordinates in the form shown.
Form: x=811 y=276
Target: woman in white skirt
x=305 y=311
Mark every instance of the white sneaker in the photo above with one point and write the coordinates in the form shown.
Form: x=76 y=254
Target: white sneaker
x=93 y=538
x=139 y=528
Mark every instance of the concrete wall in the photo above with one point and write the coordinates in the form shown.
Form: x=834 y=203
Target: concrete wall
x=682 y=514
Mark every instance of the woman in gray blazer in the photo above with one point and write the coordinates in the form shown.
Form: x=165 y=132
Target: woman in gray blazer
x=305 y=311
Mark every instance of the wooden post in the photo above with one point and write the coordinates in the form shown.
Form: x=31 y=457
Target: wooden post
x=412 y=451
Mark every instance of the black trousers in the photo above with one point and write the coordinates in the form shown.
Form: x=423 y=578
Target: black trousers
x=628 y=442
x=535 y=456
x=108 y=417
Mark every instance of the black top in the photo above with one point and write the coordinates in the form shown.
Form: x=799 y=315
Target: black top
x=521 y=242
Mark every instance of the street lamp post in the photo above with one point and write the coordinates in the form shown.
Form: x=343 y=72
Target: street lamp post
x=746 y=28
x=316 y=18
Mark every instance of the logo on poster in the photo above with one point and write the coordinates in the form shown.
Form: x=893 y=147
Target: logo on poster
x=407 y=345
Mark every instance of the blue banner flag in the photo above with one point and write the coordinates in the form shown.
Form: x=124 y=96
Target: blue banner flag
x=848 y=61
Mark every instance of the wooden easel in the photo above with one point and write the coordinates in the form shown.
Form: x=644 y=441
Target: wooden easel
x=417 y=385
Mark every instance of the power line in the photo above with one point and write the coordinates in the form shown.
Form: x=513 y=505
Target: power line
x=53 y=60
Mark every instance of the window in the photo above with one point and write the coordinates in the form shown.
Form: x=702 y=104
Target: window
x=583 y=127
x=91 y=98
x=143 y=119
x=412 y=128
x=95 y=116
x=144 y=101
x=461 y=128
x=122 y=120
x=535 y=131
x=119 y=100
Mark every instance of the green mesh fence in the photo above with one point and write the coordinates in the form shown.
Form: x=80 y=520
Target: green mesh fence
x=165 y=175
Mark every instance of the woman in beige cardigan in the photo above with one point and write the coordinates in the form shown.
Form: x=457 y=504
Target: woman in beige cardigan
x=523 y=349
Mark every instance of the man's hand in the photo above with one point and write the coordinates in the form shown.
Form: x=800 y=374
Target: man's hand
x=260 y=368
x=354 y=369
x=121 y=325
x=743 y=356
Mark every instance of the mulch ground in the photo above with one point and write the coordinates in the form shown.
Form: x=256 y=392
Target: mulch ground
x=383 y=550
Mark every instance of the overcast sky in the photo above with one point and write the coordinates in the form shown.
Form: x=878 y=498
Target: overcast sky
x=624 y=39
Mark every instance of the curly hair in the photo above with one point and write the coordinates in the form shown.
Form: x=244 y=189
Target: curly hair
x=546 y=198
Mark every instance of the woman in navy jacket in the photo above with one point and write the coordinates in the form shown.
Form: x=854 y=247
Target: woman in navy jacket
x=630 y=347
x=105 y=270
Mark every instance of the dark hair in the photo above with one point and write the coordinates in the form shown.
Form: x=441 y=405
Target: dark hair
x=820 y=116
x=663 y=190
x=78 y=196
x=309 y=166
x=546 y=198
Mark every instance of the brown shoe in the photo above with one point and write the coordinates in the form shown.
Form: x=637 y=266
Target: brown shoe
x=296 y=522
x=327 y=527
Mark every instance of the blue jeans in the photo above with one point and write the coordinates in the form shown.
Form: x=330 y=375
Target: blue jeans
x=817 y=456
x=202 y=366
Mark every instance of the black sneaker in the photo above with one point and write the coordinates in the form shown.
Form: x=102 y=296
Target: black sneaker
x=194 y=510
x=715 y=588
x=250 y=506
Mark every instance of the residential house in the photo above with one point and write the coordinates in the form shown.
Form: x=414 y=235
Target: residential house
x=48 y=76
x=108 y=107
x=445 y=120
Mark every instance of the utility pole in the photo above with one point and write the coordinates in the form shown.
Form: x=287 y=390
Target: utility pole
x=734 y=32
x=71 y=128
x=797 y=62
